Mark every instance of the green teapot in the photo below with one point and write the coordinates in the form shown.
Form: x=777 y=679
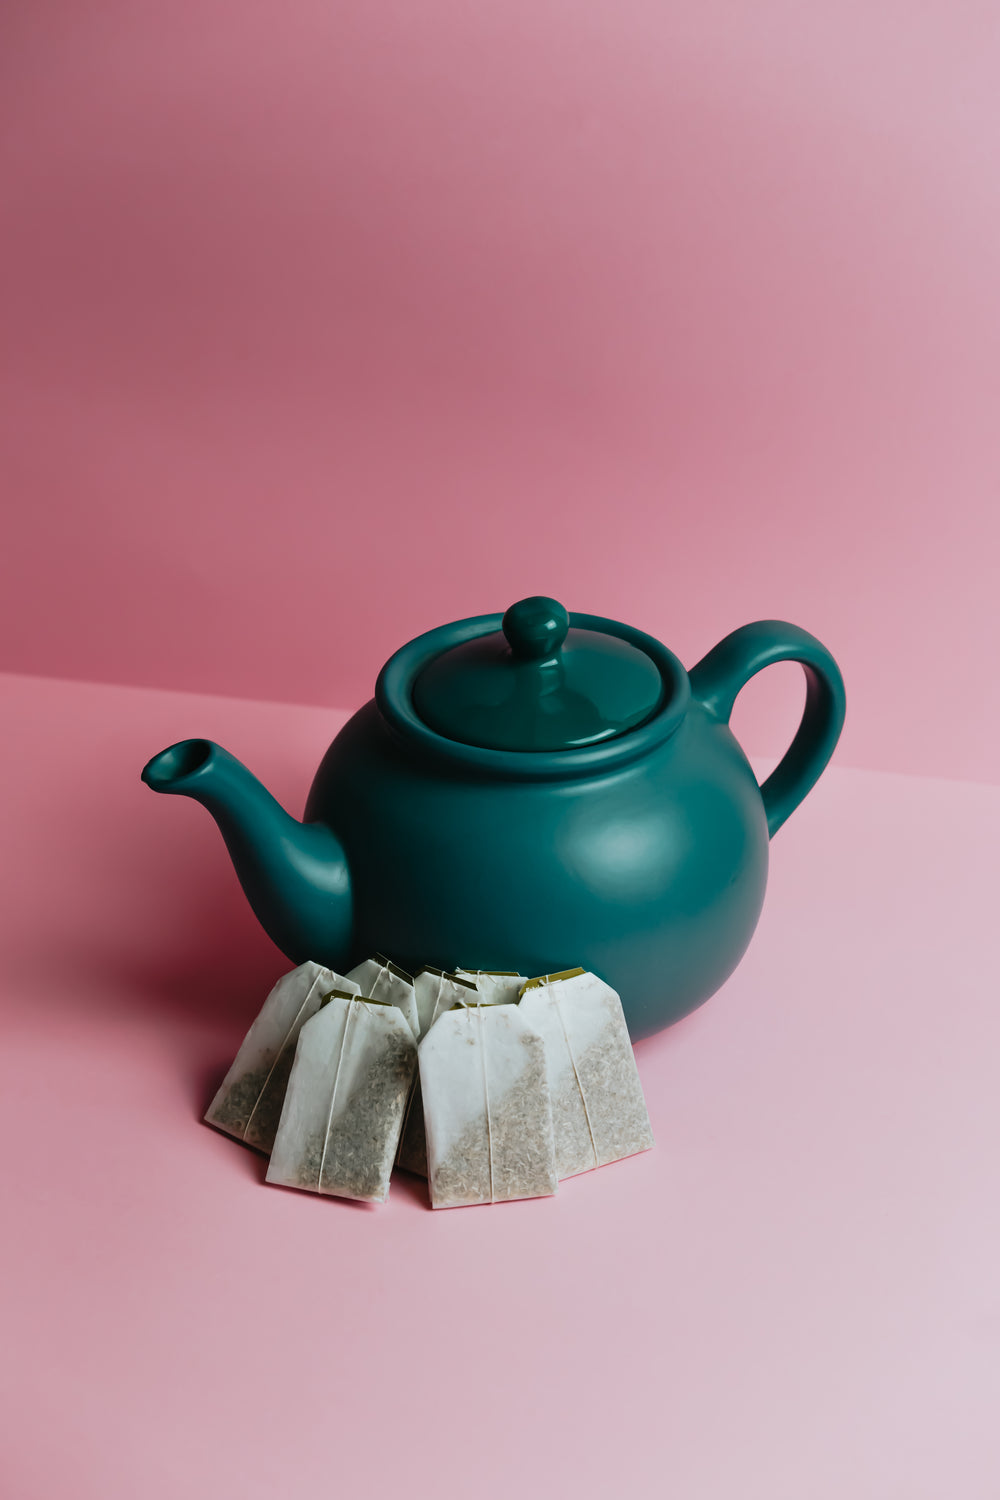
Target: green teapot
x=535 y=791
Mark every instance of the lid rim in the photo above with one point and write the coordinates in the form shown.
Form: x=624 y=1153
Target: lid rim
x=394 y=699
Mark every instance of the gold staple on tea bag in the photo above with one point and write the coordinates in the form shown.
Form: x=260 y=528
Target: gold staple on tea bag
x=534 y=984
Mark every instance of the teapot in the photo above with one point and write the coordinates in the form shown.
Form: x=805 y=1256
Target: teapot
x=538 y=790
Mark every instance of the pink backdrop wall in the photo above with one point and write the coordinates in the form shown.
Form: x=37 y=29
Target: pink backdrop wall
x=324 y=323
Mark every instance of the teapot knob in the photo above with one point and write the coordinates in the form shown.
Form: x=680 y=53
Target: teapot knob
x=535 y=627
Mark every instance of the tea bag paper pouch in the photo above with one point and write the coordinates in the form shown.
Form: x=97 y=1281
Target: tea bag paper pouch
x=379 y=978
x=486 y=1108
x=456 y=989
x=462 y=988
x=248 y=1103
x=598 y=1110
x=343 y=1112
x=436 y=992
x=496 y=986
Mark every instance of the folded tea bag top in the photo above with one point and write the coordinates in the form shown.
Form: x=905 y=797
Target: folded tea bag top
x=249 y=1099
x=437 y=990
x=465 y=990
x=598 y=1110
x=486 y=1108
x=379 y=978
x=496 y=986
x=343 y=1111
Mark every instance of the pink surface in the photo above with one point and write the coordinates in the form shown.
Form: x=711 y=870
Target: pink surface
x=795 y=1294
x=324 y=326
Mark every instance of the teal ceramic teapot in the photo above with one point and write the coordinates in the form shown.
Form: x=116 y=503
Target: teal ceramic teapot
x=536 y=791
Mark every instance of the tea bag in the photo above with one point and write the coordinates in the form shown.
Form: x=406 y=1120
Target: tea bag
x=248 y=1103
x=486 y=1108
x=598 y=1110
x=436 y=991
x=379 y=978
x=343 y=1111
x=496 y=986
x=461 y=989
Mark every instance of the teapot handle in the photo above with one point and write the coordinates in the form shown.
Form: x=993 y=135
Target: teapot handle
x=728 y=667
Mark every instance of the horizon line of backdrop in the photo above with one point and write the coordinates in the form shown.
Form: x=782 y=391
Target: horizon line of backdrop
x=328 y=325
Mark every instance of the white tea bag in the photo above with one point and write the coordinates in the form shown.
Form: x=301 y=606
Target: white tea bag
x=598 y=1110
x=379 y=978
x=343 y=1110
x=499 y=990
x=436 y=991
x=496 y=986
x=248 y=1103
x=486 y=1108
x=462 y=989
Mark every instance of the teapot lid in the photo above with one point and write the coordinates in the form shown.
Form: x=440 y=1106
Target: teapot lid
x=539 y=683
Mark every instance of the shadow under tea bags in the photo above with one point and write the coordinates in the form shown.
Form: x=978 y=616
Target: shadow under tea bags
x=249 y=1099
x=379 y=978
x=598 y=1110
x=486 y=1108
x=343 y=1110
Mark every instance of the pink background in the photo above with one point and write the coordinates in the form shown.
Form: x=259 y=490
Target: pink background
x=325 y=323
x=793 y=1296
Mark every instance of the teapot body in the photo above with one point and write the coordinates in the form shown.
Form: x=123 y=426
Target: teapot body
x=534 y=791
x=651 y=875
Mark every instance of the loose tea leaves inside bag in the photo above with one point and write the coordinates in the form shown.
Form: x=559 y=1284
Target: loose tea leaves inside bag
x=379 y=978
x=486 y=1108
x=343 y=1112
x=248 y=1103
x=496 y=986
x=598 y=1110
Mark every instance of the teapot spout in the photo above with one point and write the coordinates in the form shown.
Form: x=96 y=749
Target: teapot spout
x=295 y=875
